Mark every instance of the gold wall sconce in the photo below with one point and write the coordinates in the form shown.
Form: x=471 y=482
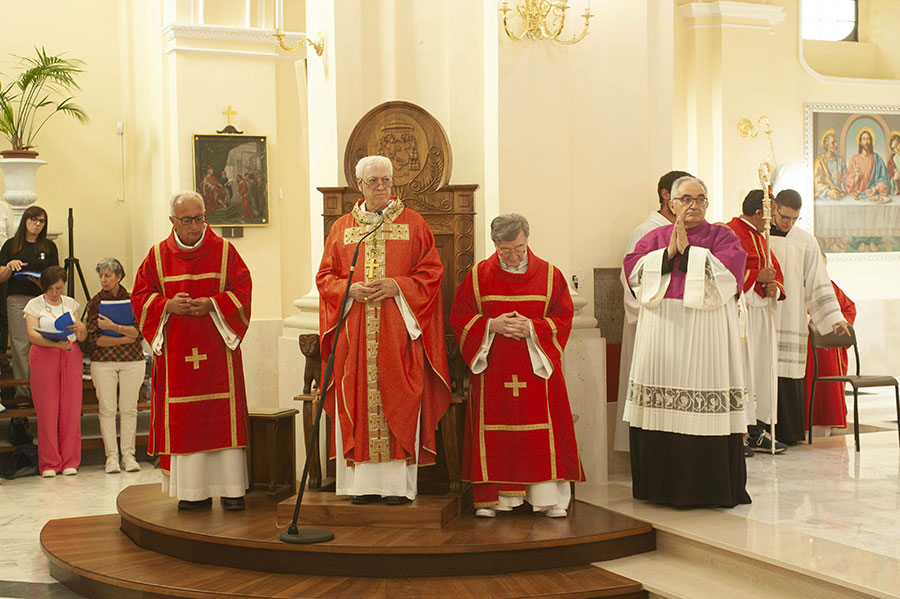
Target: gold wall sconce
x=543 y=20
x=317 y=43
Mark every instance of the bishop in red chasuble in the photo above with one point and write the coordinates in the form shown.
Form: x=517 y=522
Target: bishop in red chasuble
x=512 y=317
x=191 y=300
x=390 y=384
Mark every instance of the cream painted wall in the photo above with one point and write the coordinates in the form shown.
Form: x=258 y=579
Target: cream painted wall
x=584 y=132
x=84 y=162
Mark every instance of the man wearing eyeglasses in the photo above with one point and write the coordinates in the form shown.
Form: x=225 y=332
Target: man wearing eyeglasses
x=390 y=385
x=808 y=290
x=686 y=401
x=191 y=302
x=512 y=316
x=660 y=218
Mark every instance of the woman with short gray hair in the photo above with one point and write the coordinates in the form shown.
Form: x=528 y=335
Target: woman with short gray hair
x=117 y=366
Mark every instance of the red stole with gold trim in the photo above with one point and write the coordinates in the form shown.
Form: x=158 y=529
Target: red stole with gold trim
x=198 y=399
x=382 y=377
x=518 y=425
x=753 y=242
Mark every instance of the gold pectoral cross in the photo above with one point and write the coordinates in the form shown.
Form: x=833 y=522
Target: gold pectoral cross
x=370 y=267
x=195 y=358
x=515 y=384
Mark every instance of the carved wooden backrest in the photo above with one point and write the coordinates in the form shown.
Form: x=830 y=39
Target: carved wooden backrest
x=420 y=153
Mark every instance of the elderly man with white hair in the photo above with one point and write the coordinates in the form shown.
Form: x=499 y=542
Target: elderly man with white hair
x=687 y=393
x=390 y=385
x=191 y=300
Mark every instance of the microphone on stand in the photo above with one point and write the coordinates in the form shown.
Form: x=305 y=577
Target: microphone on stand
x=306 y=536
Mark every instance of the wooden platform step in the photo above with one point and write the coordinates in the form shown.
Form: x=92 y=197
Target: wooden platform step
x=512 y=542
x=92 y=557
x=324 y=508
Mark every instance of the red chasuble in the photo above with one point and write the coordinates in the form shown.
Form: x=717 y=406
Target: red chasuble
x=199 y=402
x=754 y=243
x=518 y=425
x=382 y=378
x=830 y=406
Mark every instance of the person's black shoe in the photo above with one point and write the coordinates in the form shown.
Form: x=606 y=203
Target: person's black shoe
x=184 y=504
x=364 y=499
x=233 y=504
x=748 y=451
x=395 y=500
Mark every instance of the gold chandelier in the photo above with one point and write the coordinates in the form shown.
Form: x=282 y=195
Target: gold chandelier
x=543 y=20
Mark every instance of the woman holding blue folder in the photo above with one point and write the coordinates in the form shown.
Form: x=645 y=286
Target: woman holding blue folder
x=56 y=374
x=117 y=363
x=22 y=259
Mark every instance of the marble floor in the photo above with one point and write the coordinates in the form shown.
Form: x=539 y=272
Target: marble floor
x=825 y=509
x=822 y=510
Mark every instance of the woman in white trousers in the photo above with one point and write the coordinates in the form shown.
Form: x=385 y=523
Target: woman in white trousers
x=117 y=365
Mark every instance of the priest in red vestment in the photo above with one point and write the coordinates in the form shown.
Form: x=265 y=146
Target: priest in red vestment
x=191 y=300
x=512 y=317
x=829 y=406
x=762 y=286
x=390 y=385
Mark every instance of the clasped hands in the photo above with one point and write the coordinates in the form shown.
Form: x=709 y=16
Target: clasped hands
x=376 y=290
x=512 y=325
x=679 y=239
x=766 y=278
x=184 y=305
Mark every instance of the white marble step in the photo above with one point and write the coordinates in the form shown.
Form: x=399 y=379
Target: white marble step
x=683 y=568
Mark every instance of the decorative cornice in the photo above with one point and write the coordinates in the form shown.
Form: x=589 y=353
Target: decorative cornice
x=729 y=13
x=230 y=34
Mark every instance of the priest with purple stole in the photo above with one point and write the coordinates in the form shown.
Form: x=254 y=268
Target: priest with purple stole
x=512 y=317
x=191 y=300
x=687 y=395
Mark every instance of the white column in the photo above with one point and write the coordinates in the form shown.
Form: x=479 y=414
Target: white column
x=584 y=367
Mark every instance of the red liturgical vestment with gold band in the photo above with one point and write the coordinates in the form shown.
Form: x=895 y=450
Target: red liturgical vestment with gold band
x=198 y=400
x=519 y=427
x=383 y=379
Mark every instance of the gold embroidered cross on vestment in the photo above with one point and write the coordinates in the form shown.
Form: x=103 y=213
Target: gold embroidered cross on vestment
x=195 y=358
x=515 y=384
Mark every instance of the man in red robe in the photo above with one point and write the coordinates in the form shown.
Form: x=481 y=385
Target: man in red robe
x=512 y=317
x=213 y=191
x=191 y=300
x=761 y=284
x=390 y=385
x=829 y=406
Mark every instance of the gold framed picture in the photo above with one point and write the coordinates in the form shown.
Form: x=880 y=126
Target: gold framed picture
x=231 y=174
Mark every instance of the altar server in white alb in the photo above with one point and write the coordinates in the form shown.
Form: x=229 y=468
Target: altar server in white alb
x=686 y=393
x=657 y=218
x=808 y=289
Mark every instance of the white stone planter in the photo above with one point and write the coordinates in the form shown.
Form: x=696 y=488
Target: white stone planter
x=19 y=174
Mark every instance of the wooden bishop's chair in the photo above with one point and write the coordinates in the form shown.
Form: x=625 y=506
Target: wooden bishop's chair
x=858 y=381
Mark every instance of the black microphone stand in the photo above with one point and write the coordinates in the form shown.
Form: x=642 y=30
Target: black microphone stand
x=307 y=536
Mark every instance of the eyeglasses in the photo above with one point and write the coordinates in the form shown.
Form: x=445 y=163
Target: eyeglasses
x=790 y=219
x=374 y=182
x=187 y=220
x=519 y=249
x=701 y=201
x=38 y=219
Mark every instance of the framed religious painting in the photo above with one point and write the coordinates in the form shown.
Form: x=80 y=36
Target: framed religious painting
x=853 y=160
x=231 y=173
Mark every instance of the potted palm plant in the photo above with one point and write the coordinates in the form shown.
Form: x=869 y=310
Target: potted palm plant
x=42 y=89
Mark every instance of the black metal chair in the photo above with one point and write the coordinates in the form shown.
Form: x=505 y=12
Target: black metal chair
x=831 y=340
